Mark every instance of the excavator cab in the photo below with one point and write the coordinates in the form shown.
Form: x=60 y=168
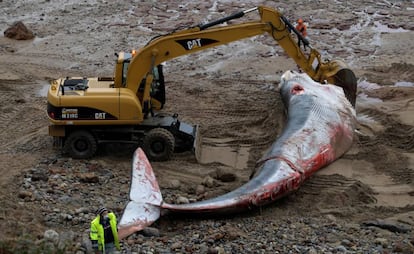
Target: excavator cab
x=157 y=87
x=157 y=92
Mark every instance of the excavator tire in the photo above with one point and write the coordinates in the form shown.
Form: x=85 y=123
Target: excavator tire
x=159 y=144
x=80 y=145
x=346 y=79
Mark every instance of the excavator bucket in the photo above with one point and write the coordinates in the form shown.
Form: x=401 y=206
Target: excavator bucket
x=197 y=144
x=188 y=138
x=344 y=77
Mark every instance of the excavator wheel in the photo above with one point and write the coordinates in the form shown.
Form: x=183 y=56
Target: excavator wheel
x=159 y=144
x=346 y=79
x=80 y=145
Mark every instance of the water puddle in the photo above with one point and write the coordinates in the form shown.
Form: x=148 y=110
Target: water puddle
x=379 y=27
x=218 y=151
x=42 y=92
x=404 y=84
x=368 y=85
x=365 y=100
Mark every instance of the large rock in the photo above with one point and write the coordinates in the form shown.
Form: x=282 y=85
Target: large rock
x=19 y=31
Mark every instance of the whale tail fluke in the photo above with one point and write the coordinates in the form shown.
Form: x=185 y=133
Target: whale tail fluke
x=145 y=196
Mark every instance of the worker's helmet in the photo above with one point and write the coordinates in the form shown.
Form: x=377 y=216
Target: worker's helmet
x=101 y=210
x=300 y=21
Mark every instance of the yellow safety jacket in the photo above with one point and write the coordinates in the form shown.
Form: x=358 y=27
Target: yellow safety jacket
x=97 y=231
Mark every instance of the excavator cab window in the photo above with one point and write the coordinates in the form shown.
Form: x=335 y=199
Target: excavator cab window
x=158 y=86
x=125 y=72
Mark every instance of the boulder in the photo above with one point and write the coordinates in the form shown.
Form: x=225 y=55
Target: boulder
x=18 y=31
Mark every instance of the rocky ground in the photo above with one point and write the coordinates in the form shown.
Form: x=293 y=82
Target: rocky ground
x=362 y=203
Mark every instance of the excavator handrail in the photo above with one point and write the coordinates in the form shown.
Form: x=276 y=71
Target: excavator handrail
x=225 y=19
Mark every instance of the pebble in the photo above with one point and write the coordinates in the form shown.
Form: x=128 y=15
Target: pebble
x=225 y=175
x=200 y=189
x=341 y=248
x=182 y=200
x=51 y=235
x=25 y=194
x=174 y=184
x=381 y=241
x=151 y=231
x=346 y=242
x=208 y=181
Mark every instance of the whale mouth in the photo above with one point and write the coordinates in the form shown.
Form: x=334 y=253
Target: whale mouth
x=297 y=89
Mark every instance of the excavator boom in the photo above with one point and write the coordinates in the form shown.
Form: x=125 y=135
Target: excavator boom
x=201 y=37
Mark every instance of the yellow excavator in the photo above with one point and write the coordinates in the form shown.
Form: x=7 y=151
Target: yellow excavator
x=85 y=112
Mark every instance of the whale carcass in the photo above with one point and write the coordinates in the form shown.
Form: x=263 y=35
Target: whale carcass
x=319 y=129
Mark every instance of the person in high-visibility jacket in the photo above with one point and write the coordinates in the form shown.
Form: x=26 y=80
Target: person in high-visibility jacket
x=104 y=232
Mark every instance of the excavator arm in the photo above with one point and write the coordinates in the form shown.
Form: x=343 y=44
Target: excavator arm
x=201 y=37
